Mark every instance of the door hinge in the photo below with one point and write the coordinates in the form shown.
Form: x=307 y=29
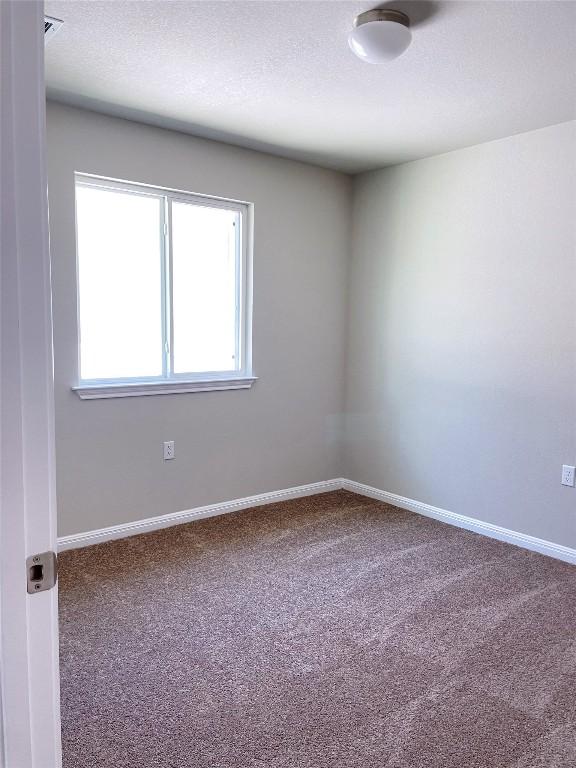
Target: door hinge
x=41 y=572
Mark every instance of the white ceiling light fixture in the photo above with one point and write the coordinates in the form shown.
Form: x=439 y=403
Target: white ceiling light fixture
x=380 y=35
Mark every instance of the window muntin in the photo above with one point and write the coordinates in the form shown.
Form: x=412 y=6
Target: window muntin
x=162 y=282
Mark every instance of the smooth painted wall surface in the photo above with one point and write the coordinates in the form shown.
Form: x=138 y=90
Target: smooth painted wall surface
x=461 y=385
x=281 y=433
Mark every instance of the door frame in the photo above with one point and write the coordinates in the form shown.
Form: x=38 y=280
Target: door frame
x=29 y=672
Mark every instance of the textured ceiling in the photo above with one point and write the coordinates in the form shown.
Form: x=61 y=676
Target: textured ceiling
x=279 y=76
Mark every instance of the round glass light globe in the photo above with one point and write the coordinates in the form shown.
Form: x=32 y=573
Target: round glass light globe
x=379 y=41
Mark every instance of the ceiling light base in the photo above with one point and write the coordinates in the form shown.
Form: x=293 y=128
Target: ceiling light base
x=382 y=14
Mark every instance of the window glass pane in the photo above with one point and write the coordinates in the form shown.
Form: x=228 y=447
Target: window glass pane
x=204 y=288
x=119 y=263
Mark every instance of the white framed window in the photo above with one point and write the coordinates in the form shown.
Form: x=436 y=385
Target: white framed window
x=164 y=290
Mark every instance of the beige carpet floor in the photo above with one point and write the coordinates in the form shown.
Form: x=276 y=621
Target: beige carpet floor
x=327 y=632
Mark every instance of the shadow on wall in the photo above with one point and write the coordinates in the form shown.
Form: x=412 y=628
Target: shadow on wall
x=420 y=12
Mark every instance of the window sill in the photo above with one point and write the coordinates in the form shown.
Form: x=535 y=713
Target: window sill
x=142 y=388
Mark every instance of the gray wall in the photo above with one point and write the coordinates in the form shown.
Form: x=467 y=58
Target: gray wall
x=461 y=386
x=461 y=350
x=281 y=433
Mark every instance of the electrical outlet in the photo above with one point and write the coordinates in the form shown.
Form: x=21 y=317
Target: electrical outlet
x=568 y=475
x=169 y=451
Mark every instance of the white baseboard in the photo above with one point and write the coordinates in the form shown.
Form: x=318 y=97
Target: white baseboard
x=557 y=551
x=77 y=540
x=542 y=546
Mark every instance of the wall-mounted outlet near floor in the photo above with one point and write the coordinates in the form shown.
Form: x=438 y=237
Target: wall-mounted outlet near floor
x=168 y=450
x=568 y=475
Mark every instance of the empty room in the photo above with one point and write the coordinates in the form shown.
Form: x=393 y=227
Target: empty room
x=288 y=384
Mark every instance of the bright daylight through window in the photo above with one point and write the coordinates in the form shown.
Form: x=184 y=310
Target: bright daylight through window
x=163 y=281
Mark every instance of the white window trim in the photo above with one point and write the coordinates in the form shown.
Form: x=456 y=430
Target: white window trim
x=170 y=387
x=181 y=383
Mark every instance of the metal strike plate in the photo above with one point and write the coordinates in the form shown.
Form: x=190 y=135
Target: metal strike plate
x=42 y=572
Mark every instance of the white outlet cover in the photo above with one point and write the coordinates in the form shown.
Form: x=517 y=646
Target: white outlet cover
x=568 y=475
x=168 y=450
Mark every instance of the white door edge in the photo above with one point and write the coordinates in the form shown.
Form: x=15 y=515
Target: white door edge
x=29 y=675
